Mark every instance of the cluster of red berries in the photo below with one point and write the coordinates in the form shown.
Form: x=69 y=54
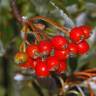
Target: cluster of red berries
x=52 y=55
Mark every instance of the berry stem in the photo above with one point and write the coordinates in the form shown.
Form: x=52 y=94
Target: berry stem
x=60 y=27
x=28 y=22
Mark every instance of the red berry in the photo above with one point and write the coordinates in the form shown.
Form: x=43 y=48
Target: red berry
x=28 y=64
x=86 y=30
x=83 y=47
x=41 y=69
x=31 y=62
x=52 y=63
x=45 y=47
x=61 y=54
x=35 y=61
x=32 y=51
x=76 y=34
x=62 y=67
x=59 y=42
x=73 y=48
x=21 y=57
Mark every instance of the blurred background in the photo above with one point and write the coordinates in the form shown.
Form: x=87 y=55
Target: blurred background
x=69 y=13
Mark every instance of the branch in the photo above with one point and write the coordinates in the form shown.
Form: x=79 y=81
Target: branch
x=15 y=12
x=55 y=24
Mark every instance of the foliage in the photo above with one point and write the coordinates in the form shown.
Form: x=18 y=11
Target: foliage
x=67 y=12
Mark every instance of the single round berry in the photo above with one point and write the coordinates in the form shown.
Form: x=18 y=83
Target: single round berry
x=20 y=57
x=32 y=51
x=62 y=67
x=86 y=30
x=31 y=63
x=83 y=47
x=77 y=35
x=73 y=48
x=52 y=63
x=59 y=42
x=41 y=69
x=61 y=54
x=28 y=64
x=45 y=47
x=35 y=61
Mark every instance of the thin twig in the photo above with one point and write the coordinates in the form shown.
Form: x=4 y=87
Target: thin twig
x=80 y=89
x=90 y=90
x=16 y=12
x=60 y=27
x=90 y=70
x=82 y=73
x=38 y=88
